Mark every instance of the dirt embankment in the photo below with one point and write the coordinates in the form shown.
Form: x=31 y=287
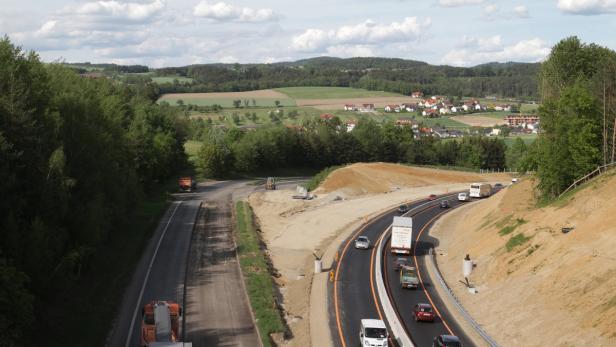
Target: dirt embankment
x=537 y=286
x=293 y=229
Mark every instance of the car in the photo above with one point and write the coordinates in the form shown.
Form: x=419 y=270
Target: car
x=432 y=197
x=402 y=209
x=463 y=197
x=498 y=185
x=400 y=262
x=446 y=341
x=444 y=204
x=423 y=312
x=362 y=242
x=514 y=180
x=373 y=332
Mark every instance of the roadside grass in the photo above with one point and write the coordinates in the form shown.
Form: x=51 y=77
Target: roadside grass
x=259 y=283
x=511 y=228
x=320 y=177
x=171 y=79
x=226 y=102
x=83 y=314
x=515 y=241
x=331 y=93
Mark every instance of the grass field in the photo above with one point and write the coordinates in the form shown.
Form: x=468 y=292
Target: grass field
x=170 y=79
x=331 y=93
x=526 y=138
x=529 y=108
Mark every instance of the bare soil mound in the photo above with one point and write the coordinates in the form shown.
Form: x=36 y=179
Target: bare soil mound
x=372 y=178
x=532 y=277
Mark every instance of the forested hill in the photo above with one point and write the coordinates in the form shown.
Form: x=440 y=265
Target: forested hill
x=517 y=80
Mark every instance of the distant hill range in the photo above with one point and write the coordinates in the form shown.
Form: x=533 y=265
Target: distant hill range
x=505 y=80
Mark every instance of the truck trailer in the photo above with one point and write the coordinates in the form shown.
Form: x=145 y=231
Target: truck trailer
x=187 y=184
x=161 y=322
x=401 y=235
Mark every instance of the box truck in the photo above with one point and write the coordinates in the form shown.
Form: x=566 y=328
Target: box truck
x=401 y=235
x=480 y=190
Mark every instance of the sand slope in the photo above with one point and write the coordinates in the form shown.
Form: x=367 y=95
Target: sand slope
x=556 y=289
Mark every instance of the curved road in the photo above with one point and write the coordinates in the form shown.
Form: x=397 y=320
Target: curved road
x=354 y=290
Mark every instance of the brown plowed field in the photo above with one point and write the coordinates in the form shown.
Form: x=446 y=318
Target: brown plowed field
x=479 y=121
x=333 y=104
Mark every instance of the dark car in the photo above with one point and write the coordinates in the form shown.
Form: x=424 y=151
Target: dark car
x=403 y=209
x=498 y=185
x=444 y=204
x=400 y=262
x=446 y=341
x=432 y=197
x=423 y=312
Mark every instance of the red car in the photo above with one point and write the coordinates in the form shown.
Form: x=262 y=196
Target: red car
x=432 y=197
x=423 y=312
x=400 y=262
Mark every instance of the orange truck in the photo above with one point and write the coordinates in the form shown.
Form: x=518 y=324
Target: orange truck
x=187 y=184
x=161 y=321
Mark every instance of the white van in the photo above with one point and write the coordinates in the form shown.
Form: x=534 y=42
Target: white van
x=480 y=190
x=462 y=197
x=373 y=333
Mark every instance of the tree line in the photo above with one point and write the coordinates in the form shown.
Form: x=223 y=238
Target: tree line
x=577 y=114
x=323 y=143
x=76 y=158
x=516 y=80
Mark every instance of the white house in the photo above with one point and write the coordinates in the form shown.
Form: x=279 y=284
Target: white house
x=350 y=107
x=495 y=132
x=443 y=110
x=453 y=109
x=392 y=108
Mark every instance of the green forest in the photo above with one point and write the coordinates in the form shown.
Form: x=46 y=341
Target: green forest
x=77 y=157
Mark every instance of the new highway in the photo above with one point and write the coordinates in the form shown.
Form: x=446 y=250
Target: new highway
x=354 y=292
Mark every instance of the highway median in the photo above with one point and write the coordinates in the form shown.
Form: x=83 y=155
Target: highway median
x=257 y=276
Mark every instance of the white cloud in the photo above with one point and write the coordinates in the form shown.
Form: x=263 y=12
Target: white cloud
x=346 y=51
x=485 y=44
x=587 y=7
x=226 y=12
x=490 y=9
x=456 y=3
x=485 y=50
x=368 y=32
x=131 y=11
x=521 y=11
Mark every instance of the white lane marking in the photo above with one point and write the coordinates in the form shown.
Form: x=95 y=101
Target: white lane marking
x=147 y=275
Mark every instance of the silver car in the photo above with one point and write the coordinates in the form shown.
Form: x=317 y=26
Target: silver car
x=362 y=242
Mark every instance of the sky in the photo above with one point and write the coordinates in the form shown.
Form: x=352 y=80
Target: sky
x=161 y=33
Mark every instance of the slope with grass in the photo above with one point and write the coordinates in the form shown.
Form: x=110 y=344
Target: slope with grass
x=332 y=93
x=532 y=277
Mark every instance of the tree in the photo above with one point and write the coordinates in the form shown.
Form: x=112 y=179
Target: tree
x=237 y=103
x=277 y=102
x=214 y=160
x=254 y=102
x=236 y=118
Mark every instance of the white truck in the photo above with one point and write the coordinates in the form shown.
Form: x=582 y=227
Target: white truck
x=401 y=235
x=480 y=190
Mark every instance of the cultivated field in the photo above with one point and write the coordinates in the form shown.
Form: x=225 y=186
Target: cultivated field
x=170 y=79
x=331 y=93
x=337 y=104
x=481 y=121
x=263 y=98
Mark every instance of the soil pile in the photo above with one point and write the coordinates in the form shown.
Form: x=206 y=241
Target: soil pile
x=531 y=277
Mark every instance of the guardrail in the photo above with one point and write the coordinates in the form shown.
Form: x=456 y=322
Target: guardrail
x=454 y=299
x=596 y=172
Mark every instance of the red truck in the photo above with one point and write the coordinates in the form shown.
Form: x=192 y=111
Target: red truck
x=187 y=184
x=161 y=321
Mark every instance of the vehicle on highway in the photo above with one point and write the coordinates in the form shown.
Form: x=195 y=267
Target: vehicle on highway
x=480 y=190
x=446 y=341
x=514 y=180
x=402 y=209
x=408 y=277
x=187 y=184
x=499 y=185
x=423 y=312
x=270 y=183
x=373 y=333
x=160 y=322
x=401 y=235
x=400 y=262
x=463 y=197
x=432 y=197
x=444 y=204
x=362 y=242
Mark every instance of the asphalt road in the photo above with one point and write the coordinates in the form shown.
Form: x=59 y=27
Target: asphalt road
x=357 y=300
x=216 y=310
